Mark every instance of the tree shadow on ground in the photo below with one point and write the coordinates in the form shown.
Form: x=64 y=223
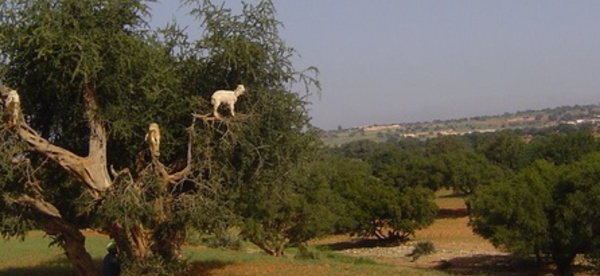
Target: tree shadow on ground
x=452 y=213
x=454 y=195
x=205 y=267
x=39 y=270
x=493 y=265
x=57 y=266
x=61 y=266
x=358 y=243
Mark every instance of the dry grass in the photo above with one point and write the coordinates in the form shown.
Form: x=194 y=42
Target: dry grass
x=451 y=230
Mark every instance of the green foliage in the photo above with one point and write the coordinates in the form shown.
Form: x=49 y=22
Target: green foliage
x=382 y=199
x=226 y=240
x=154 y=266
x=565 y=147
x=256 y=163
x=251 y=171
x=361 y=149
x=466 y=171
x=546 y=209
x=512 y=214
x=350 y=181
x=505 y=149
x=305 y=253
x=407 y=203
x=447 y=144
x=404 y=168
x=414 y=209
x=260 y=165
x=52 y=51
x=14 y=220
x=57 y=49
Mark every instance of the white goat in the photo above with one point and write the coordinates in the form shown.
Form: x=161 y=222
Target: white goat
x=226 y=97
x=153 y=139
x=13 y=106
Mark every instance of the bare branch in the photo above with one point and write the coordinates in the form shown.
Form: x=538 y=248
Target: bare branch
x=168 y=178
x=91 y=170
x=98 y=143
x=124 y=172
x=39 y=205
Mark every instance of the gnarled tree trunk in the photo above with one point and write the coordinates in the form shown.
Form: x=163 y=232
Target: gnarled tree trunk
x=73 y=241
x=91 y=170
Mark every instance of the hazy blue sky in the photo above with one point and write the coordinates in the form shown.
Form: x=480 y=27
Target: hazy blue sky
x=388 y=61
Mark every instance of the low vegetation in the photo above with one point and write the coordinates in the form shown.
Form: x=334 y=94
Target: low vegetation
x=34 y=257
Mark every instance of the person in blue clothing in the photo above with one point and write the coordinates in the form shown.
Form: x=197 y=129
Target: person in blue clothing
x=110 y=263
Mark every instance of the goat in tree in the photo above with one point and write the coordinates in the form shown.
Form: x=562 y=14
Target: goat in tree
x=153 y=139
x=13 y=107
x=227 y=97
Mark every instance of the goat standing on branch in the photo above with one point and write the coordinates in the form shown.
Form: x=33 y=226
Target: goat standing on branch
x=153 y=139
x=13 y=107
x=227 y=97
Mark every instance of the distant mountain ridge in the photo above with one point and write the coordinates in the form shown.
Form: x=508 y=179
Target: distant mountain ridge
x=577 y=114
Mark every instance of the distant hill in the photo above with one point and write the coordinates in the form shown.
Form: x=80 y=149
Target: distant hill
x=423 y=130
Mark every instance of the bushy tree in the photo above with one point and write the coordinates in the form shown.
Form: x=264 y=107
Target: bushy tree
x=372 y=205
x=405 y=168
x=91 y=78
x=87 y=73
x=546 y=210
x=447 y=144
x=465 y=171
x=512 y=214
x=565 y=147
x=361 y=149
x=405 y=202
x=260 y=158
x=504 y=148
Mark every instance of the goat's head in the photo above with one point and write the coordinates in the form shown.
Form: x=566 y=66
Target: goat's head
x=240 y=89
x=13 y=97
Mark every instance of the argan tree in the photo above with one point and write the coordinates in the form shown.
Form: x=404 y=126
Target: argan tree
x=549 y=211
x=89 y=79
x=260 y=155
x=77 y=152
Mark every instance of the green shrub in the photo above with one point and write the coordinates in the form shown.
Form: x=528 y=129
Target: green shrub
x=194 y=237
x=228 y=239
x=304 y=253
x=421 y=249
x=154 y=266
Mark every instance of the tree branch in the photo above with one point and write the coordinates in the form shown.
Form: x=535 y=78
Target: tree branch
x=54 y=224
x=39 y=206
x=91 y=170
x=172 y=179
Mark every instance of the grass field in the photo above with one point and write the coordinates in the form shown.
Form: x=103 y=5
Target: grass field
x=33 y=257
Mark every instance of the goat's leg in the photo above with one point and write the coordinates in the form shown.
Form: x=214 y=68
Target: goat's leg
x=232 y=108
x=215 y=109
